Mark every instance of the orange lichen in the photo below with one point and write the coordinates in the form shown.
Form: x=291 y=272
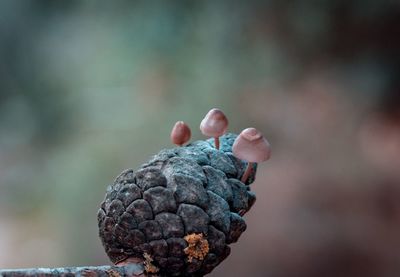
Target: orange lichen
x=148 y=264
x=197 y=248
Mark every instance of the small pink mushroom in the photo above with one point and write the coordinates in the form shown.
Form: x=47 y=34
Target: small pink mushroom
x=252 y=147
x=180 y=133
x=214 y=125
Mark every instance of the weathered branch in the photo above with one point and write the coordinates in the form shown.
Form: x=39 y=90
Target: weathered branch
x=133 y=269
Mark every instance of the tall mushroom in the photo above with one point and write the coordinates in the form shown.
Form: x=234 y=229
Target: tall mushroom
x=252 y=147
x=214 y=125
x=180 y=133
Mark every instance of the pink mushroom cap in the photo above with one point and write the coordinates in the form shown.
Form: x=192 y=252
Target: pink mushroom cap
x=214 y=123
x=180 y=133
x=251 y=146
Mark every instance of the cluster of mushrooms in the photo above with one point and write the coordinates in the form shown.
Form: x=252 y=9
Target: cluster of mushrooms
x=250 y=145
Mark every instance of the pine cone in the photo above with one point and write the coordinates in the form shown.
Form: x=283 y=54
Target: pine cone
x=180 y=210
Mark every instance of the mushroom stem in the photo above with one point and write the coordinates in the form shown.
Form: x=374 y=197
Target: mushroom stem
x=247 y=173
x=216 y=142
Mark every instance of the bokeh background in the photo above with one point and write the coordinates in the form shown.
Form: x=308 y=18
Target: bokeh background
x=89 y=88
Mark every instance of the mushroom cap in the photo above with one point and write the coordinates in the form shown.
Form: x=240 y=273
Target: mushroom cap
x=214 y=124
x=251 y=146
x=180 y=133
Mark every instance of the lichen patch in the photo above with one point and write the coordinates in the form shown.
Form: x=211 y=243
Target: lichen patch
x=197 y=247
x=149 y=267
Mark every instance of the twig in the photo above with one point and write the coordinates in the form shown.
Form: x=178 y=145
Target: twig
x=133 y=269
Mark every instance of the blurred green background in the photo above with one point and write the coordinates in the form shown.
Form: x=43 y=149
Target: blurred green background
x=89 y=88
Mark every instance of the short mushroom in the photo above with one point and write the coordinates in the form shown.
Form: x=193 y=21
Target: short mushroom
x=252 y=147
x=214 y=125
x=180 y=133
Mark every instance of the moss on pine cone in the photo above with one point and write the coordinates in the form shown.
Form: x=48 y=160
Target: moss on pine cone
x=194 y=189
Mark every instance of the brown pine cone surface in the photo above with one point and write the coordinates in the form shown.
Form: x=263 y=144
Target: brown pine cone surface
x=182 y=191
